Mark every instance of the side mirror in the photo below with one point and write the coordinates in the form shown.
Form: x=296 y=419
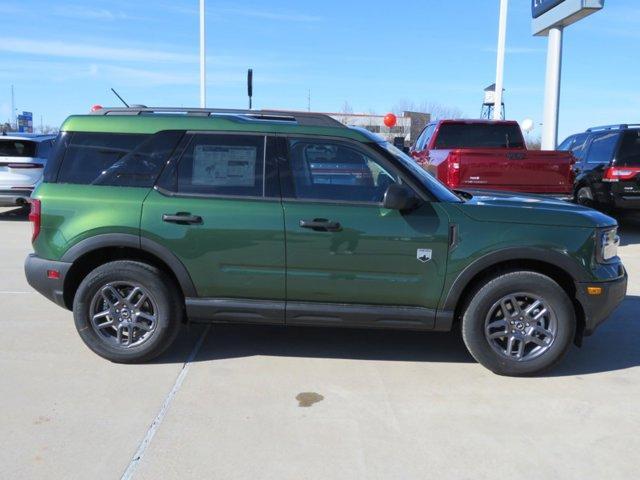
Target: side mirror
x=400 y=197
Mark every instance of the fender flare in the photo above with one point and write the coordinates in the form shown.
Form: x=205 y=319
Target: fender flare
x=551 y=257
x=116 y=240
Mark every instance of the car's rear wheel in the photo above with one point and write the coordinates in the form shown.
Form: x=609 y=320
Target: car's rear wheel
x=519 y=323
x=127 y=311
x=584 y=196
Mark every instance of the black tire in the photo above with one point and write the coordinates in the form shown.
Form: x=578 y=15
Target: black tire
x=483 y=302
x=163 y=297
x=583 y=195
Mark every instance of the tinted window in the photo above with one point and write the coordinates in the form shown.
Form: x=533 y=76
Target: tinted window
x=141 y=167
x=89 y=155
x=479 y=135
x=579 y=147
x=566 y=145
x=602 y=148
x=44 y=148
x=223 y=165
x=424 y=138
x=336 y=171
x=17 y=148
x=629 y=153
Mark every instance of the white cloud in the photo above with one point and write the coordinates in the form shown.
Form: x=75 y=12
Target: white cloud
x=278 y=15
x=88 y=13
x=97 y=52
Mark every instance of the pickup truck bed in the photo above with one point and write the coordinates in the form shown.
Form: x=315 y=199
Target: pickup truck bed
x=486 y=155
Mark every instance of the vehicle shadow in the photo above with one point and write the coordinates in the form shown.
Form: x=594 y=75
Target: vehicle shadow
x=235 y=341
x=613 y=347
x=19 y=214
x=629 y=231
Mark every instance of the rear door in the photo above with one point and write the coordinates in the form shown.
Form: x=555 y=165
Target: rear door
x=217 y=208
x=343 y=247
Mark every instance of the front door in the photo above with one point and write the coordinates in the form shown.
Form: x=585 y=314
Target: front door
x=218 y=210
x=343 y=247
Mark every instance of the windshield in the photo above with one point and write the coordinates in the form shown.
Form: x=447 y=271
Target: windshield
x=429 y=181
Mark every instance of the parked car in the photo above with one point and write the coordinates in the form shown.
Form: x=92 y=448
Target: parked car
x=22 y=160
x=146 y=219
x=608 y=166
x=491 y=155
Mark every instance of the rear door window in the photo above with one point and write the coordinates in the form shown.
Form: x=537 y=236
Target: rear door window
x=579 y=147
x=223 y=165
x=89 y=155
x=629 y=153
x=479 y=135
x=603 y=147
x=17 y=148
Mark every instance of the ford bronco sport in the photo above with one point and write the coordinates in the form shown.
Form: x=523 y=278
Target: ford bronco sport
x=148 y=218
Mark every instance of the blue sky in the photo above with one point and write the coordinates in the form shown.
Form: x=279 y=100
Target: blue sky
x=63 y=56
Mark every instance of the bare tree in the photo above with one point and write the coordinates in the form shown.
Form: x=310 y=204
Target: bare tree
x=436 y=110
x=49 y=130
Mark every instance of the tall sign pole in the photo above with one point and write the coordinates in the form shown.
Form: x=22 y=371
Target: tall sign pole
x=552 y=90
x=502 y=44
x=550 y=17
x=203 y=58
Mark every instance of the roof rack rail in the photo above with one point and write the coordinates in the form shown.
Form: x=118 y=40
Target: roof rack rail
x=309 y=119
x=620 y=126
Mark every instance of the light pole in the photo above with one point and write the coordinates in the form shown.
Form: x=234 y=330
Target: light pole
x=203 y=58
x=502 y=42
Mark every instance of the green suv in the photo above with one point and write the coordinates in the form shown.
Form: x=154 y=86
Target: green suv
x=148 y=218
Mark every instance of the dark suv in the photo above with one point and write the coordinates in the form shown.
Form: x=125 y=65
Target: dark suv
x=147 y=218
x=608 y=167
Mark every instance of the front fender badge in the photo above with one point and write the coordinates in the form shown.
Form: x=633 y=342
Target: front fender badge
x=424 y=254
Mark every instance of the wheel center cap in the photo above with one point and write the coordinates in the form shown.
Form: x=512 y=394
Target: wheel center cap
x=125 y=313
x=520 y=325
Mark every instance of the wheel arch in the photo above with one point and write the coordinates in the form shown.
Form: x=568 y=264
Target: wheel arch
x=556 y=266
x=92 y=252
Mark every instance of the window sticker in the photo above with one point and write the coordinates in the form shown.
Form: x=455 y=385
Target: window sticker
x=224 y=166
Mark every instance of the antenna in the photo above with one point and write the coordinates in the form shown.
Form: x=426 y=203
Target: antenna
x=250 y=86
x=120 y=98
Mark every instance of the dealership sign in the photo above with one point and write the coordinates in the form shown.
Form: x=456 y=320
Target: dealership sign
x=25 y=122
x=548 y=14
x=538 y=7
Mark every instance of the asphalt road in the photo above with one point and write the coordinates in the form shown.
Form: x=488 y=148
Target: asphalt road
x=246 y=402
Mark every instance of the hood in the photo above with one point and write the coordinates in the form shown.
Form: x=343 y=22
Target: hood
x=531 y=209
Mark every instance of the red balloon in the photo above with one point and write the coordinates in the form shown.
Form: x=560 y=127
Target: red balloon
x=95 y=108
x=390 y=120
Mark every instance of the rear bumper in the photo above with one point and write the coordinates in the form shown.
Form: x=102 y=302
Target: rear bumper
x=597 y=308
x=14 y=197
x=36 y=268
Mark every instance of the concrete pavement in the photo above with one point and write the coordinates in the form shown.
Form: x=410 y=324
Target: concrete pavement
x=383 y=404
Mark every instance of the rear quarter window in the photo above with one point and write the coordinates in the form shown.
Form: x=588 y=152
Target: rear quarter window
x=88 y=155
x=629 y=153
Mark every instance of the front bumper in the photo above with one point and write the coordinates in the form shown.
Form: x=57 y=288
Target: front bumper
x=37 y=271
x=10 y=198
x=597 y=308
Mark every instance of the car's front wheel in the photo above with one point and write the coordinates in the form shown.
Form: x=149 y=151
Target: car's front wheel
x=127 y=311
x=519 y=323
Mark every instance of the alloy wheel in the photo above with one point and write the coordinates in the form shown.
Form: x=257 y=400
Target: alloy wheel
x=521 y=326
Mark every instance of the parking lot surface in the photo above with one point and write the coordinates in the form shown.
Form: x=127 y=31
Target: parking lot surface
x=271 y=403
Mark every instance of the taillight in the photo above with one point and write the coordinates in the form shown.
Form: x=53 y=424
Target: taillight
x=615 y=174
x=35 y=218
x=453 y=170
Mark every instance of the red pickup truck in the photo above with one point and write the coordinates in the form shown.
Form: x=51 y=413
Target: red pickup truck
x=491 y=155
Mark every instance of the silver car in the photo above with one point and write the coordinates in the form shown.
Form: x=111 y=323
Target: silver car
x=22 y=160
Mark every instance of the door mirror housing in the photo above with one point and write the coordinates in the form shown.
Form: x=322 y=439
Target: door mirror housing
x=400 y=197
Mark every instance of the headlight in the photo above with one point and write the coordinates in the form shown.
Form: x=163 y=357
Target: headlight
x=608 y=241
